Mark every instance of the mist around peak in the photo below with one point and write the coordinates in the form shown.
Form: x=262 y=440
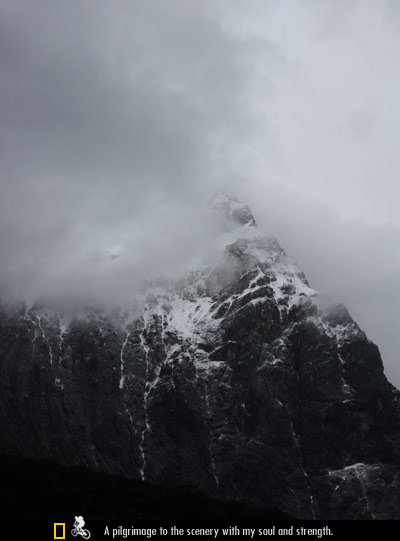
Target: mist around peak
x=119 y=122
x=229 y=213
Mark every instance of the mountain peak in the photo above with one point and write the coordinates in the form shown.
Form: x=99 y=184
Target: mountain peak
x=239 y=362
x=230 y=213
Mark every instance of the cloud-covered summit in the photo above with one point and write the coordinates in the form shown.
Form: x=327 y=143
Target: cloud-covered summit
x=120 y=120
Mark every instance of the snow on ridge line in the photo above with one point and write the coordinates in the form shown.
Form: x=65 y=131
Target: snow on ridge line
x=190 y=310
x=355 y=466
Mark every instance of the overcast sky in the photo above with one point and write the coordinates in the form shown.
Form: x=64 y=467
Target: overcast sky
x=119 y=119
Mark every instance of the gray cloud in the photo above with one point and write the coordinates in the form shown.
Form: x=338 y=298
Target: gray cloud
x=107 y=114
x=119 y=120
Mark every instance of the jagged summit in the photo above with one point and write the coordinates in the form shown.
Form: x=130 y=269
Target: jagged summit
x=229 y=212
x=235 y=235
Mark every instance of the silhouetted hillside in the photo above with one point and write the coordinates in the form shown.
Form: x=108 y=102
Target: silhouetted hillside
x=45 y=490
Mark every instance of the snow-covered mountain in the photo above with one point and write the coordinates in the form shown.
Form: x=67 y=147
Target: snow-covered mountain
x=237 y=378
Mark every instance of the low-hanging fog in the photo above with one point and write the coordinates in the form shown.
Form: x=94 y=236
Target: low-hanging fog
x=121 y=120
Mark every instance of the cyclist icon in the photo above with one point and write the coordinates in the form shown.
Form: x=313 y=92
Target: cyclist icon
x=79 y=529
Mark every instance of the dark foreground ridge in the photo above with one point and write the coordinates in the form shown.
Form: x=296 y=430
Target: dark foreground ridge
x=42 y=489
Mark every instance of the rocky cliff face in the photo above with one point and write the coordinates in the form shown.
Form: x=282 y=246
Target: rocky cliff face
x=239 y=379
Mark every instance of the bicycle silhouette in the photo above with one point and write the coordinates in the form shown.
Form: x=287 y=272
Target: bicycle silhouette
x=78 y=528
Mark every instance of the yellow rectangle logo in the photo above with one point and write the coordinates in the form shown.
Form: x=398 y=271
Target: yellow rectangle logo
x=63 y=530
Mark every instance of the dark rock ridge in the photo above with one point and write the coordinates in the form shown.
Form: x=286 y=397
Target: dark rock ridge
x=239 y=379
